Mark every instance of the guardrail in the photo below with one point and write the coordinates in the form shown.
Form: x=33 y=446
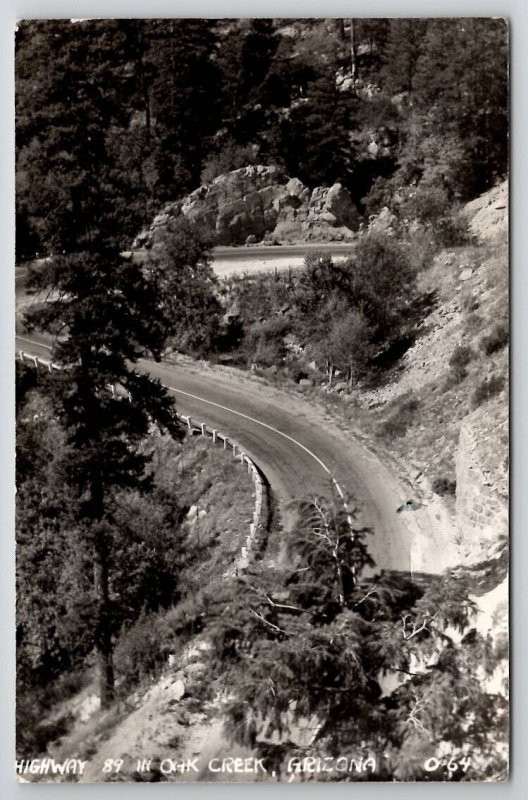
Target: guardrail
x=258 y=530
x=36 y=361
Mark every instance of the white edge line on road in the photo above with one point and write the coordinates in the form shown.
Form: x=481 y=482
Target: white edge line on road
x=238 y=414
x=30 y=341
x=275 y=430
x=252 y=419
x=264 y=425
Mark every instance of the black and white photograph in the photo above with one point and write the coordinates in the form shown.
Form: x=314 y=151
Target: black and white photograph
x=262 y=400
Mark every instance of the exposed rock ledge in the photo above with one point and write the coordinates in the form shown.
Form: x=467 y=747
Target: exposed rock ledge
x=260 y=203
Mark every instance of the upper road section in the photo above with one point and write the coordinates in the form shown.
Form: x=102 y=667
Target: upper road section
x=239 y=260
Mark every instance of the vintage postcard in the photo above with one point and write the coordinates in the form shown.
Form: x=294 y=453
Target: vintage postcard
x=262 y=400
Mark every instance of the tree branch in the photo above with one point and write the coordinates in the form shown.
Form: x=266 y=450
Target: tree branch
x=265 y=621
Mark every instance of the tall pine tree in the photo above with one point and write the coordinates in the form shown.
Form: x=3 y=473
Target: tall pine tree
x=101 y=306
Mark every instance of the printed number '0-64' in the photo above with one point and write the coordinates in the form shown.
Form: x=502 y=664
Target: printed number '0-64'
x=432 y=764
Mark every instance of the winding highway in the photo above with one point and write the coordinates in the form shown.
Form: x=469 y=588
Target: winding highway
x=299 y=448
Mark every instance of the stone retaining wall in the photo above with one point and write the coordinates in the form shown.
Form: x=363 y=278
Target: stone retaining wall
x=481 y=504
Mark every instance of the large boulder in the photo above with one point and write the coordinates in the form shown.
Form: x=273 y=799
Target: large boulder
x=384 y=223
x=339 y=203
x=238 y=204
x=265 y=204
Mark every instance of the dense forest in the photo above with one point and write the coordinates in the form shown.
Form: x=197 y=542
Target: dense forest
x=146 y=110
x=113 y=119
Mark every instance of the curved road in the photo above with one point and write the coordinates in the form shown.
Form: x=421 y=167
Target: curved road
x=297 y=446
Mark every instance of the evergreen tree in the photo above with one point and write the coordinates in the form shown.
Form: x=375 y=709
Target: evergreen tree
x=315 y=135
x=180 y=268
x=460 y=85
x=249 y=89
x=377 y=665
x=184 y=100
x=57 y=606
x=102 y=306
x=404 y=44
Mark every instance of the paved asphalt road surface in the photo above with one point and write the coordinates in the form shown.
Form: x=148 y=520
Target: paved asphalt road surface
x=243 y=260
x=297 y=446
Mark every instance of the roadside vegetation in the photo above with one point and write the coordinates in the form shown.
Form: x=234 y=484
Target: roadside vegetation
x=457 y=366
x=284 y=658
x=165 y=545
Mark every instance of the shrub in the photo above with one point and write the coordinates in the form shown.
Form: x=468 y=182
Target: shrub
x=487 y=389
x=458 y=362
x=428 y=204
x=382 y=281
x=298 y=374
x=401 y=419
x=268 y=354
x=443 y=486
x=421 y=248
x=496 y=340
x=461 y=356
x=230 y=156
x=474 y=322
x=264 y=341
x=451 y=231
x=431 y=206
x=347 y=345
x=140 y=651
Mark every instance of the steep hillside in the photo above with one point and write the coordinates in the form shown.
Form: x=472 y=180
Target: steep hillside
x=488 y=214
x=215 y=495
x=455 y=380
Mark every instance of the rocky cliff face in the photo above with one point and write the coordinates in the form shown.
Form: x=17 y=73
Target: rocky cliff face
x=488 y=214
x=260 y=203
x=482 y=483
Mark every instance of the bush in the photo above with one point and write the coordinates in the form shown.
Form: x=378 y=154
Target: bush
x=230 y=156
x=427 y=204
x=264 y=342
x=421 y=248
x=382 y=281
x=474 y=322
x=432 y=206
x=443 y=486
x=140 y=651
x=461 y=356
x=458 y=362
x=451 y=231
x=268 y=354
x=347 y=345
x=496 y=340
x=489 y=387
x=401 y=419
x=298 y=374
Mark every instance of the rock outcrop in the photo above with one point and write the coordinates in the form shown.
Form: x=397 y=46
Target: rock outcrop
x=488 y=214
x=261 y=204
